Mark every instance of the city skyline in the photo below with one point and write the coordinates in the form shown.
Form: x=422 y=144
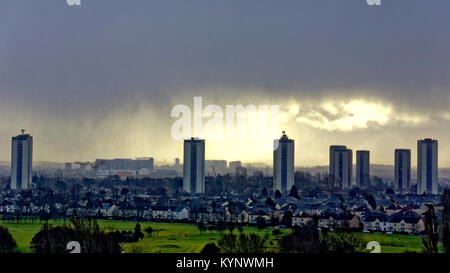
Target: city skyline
x=371 y=78
x=164 y=161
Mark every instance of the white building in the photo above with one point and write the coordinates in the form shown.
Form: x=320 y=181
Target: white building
x=402 y=175
x=126 y=164
x=283 y=164
x=194 y=166
x=341 y=164
x=216 y=167
x=234 y=165
x=427 y=166
x=21 y=161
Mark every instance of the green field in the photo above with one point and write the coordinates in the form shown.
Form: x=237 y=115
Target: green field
x=395 y=243
x=186 y=238
x=170 y=238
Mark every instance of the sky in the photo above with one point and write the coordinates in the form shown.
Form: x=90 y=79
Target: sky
x=100 y=80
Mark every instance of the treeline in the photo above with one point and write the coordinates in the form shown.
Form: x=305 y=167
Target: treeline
x=83 y=230
x=305 y=239
x=309 y=185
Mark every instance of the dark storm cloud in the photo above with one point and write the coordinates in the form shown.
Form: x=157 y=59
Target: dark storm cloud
x=84 y=62
x=110 y=48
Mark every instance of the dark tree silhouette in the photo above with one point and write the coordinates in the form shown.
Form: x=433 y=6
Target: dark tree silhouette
x=294 y=192
x=307 y=239
x=201 y=227
x=303 y=239
x=270 y=202
x=264 y=192
x=345 y=242
x=7 y=242
x=260 y=223
x=230 y=227
x=287 y=219
x=431 y=239
x=277 y=194
x=137 y=232
x=124 y=191
x=52 y=239
x=446 y=220
x=210 y=248
x=83 y=230
x=242 y=243
x=149 y=230
x=372 y=201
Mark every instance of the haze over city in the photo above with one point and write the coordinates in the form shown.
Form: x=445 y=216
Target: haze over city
x=103 y=87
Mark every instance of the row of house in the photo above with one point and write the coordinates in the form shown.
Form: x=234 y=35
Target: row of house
x=327 y=212
x=404 y=221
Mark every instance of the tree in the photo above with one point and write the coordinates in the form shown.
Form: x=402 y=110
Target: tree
x=124 y=191
x=230 y=227
x=242 y=243
x=372 y=201
x=274 y=220
x=210 y=248
x=307 y=239
x=264 y=192
x=270 y=202
x=149 y=230
x=294 y=192
x=86 y=231
x=260 y=222
x=220 y=227
x=61 y=186
x=276 y=232
x=211 y=229
x=277 y=194
x=446 y=238
x=52 y=239
x=137 y=232
x=303 y=239
x=431 y=239
x=7 y=242
x=345 y=242
x=287 y=219
x=446 y=220
x=240 y=229
x=201 y=227
x=354 y=192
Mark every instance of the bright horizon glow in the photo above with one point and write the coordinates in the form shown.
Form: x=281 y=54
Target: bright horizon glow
x=374 y=79
x=131 y=133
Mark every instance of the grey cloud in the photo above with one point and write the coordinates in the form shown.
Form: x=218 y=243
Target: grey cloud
x=82 y=65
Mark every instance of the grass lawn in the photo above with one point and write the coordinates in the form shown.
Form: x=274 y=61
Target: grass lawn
x=24 y=232
x=170 y=238
x=186 y=238
x=397 y=243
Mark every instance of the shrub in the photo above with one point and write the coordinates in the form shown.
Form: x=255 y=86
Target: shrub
x=7 y=242
x=210 y=248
